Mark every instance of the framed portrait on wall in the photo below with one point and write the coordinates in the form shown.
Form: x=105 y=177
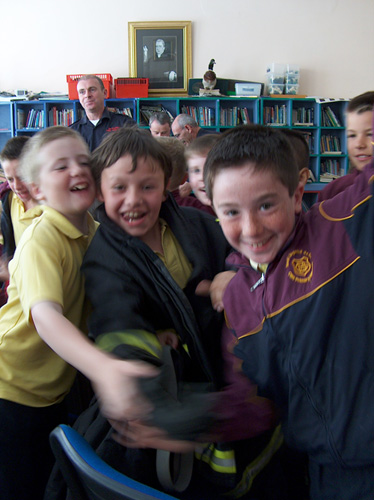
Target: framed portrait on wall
x=161 y=51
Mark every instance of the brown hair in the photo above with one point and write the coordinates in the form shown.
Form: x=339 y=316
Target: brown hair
x=299 y=145
x=13 y=148
x=361 y=103
x=175 y=150
x=201 y=145
x=265 y=148
x=133 y=141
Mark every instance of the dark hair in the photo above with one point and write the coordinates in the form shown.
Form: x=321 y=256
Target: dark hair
x=201 y=145
x=13 y=148
x=265 y=148
x=160 y=117
x=361 y=103
x=299 y=145
x=138 y=143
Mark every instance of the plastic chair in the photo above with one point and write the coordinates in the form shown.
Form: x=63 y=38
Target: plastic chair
x=88 y=477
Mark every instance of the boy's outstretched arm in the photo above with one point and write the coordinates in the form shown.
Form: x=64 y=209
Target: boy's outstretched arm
x=113 y=379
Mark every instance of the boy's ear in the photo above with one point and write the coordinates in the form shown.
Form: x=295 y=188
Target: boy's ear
x=304 y=175
x=35 y=192
x=298 y=197
x=99 y=196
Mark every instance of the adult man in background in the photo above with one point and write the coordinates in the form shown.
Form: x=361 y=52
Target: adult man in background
x=186 y=129
x=97 y=119
x=159 y=124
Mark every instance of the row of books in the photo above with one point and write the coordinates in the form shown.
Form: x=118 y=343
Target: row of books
x=121 y=111
x=203 y=115
x=63 y=117
x=308 y=136
x=329 y=118
x=330 y=144
x=230 y=117
x=330 y=170
x=34 y=118
x=303 y=116
x=275 y=115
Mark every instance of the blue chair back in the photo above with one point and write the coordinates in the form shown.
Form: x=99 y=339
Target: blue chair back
x=88 y=477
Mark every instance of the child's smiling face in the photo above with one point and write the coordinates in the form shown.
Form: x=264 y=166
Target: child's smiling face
x=359 y=138
x=133 y=198
x=65 y=179
x=256 y=211
x=16 y=184
x=196 y=178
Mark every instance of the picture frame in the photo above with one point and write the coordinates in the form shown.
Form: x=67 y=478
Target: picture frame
x=161 y=51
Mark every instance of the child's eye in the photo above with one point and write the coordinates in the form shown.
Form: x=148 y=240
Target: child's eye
x=148 y=187
x=231 y=213
x=265 y=206
x=195 y=171
x=119 y=187
x=60 y=167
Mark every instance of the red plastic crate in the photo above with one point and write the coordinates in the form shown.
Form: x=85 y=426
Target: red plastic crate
x=105 y=77
x=131 y=87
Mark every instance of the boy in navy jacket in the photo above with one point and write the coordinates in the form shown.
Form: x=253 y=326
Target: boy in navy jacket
x=302 y=313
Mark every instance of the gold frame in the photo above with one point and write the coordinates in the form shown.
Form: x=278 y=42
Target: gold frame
x=160 y=29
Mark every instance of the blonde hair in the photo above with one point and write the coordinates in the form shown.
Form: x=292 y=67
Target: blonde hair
x=30 y=164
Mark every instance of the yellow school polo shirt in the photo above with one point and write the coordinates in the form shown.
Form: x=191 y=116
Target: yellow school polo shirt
x=21 y=219
x=45 y=267
x=174 y=258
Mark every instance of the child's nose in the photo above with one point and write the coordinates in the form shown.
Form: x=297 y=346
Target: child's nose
x=133 y=196
x=251 y=226
x=77 y=169
x=361 y=141
x=17 y=184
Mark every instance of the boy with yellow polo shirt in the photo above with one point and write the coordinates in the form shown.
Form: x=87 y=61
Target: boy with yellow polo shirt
x=40 y=343
x=19 y=208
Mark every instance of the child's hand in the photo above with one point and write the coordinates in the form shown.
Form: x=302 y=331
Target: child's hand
x=215 y=288
x=185 y=189
x=168 y=338
x=117 y=390
x=136 y=434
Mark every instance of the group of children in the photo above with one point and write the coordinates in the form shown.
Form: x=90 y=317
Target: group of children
x=297 y=314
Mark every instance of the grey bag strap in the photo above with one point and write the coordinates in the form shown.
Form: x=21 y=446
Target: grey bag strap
x=174 y=470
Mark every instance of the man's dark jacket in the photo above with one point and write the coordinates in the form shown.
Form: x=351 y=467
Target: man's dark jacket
x=109 y=122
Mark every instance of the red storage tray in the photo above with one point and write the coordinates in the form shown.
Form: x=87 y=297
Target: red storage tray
x=131 y=87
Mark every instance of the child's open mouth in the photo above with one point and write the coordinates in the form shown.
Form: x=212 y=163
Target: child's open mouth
x=79 y=187
x=133 y=217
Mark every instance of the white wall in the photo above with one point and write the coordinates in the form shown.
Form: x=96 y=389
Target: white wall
x=331 y=40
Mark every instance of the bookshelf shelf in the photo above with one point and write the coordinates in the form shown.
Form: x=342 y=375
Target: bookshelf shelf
x=321 y=122
x=6 y=123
